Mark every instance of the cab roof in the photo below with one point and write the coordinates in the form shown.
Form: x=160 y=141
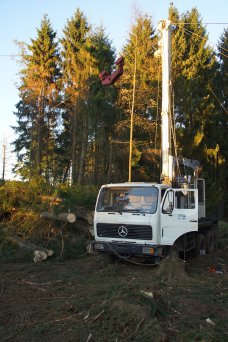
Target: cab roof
x=133 y=184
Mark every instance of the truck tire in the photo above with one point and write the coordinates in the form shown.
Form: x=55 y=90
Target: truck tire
x=210 y=242
x=215 y=232
x=200 y=244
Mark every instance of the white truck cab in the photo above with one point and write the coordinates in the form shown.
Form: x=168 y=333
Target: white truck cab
x=143 y=219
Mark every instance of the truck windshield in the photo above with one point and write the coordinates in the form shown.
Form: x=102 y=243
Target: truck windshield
x=128 y=199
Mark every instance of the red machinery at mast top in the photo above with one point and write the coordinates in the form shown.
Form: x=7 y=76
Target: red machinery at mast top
x=108 y=79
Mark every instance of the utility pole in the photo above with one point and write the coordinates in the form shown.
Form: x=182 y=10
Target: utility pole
x=4 y=162
x=132 y=114
x=164 y=52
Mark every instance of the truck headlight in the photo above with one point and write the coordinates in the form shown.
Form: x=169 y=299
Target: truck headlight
x=148 y=250
x=99 y=246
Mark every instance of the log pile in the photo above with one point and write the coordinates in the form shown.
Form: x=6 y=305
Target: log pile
x=40 y=253
x=78 y=213
x=81 y=217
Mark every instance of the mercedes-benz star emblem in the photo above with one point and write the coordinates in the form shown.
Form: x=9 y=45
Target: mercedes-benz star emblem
x=122 y=231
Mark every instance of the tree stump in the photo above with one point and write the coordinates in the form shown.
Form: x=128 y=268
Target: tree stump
x=173 y=268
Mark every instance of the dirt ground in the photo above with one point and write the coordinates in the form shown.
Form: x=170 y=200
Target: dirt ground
x=91 y=300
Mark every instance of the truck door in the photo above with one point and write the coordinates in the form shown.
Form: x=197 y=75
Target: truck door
x=179 y=214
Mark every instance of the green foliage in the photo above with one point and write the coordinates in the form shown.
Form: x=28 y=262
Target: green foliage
x=139 y=51
x=23 y=195
x=88 y=104
x=62 y=247
x=77 y=195
x=12 y=253
x=194 y=68
x=36 y=114
x=65 y=249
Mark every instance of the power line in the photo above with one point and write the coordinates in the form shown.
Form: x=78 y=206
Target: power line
x=196 y=23
x=13 y=55
x=198 y=35
x=4 y=162
x=218 y=100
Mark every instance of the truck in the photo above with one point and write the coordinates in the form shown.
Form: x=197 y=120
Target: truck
x=151 y=220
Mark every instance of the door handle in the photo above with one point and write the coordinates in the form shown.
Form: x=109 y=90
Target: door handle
x=193 y=221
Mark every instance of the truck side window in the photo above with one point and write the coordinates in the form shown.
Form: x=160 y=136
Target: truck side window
x=184 y=199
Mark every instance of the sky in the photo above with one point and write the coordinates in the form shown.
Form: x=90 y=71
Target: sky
x=19 y=20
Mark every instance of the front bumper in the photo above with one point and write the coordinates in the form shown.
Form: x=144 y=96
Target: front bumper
x=127 y=249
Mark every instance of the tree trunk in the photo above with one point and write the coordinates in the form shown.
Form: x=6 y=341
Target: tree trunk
x=39 y=136
x=96 y=156
x=40 y=127
x=73 y=157
x=110 y=161
x=83 y=150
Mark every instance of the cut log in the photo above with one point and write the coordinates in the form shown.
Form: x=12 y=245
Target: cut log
x=40 y=253
x=84 y=214
x=39 y=256
x=65 y=217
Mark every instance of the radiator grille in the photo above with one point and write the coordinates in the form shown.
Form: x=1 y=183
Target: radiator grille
x=126 y=231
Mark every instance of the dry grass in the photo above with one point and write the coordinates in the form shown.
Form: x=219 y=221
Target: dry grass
x=88 y=299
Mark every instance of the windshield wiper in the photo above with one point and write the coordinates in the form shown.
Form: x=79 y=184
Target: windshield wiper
x=116 y=211
x=138 y=213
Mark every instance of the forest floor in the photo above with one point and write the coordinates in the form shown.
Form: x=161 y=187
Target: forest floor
x=89 y=299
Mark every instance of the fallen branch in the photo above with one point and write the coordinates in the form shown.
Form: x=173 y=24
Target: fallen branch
x=28 y=282
x=54 y=320
x=34 y=285
x=177 y=312
x=89 y=337
x=139 y=324
x=87 y=315
x=96 y=317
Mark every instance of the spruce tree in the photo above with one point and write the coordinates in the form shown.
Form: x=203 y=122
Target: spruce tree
x=193 y=68
x=39 y=90
x=102 y=110
x=221 y=154
x=76 y=72
x=89 y=106
x=139 y=59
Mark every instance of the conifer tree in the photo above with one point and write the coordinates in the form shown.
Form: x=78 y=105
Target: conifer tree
x=193 y=68
x=220 y=135
x=86 y=53
x=76 y=71
x=102 y=108
x=222 y=54
x=139 y=56
x=39 y=90
x=26 y=133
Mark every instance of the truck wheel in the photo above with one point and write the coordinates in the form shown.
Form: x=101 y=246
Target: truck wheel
x=210 y=242
x=200 y=244
x=215 y=233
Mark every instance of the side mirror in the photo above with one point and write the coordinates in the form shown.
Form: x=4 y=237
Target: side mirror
x=170 y=207
x=168 y=203
x=170 y=199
